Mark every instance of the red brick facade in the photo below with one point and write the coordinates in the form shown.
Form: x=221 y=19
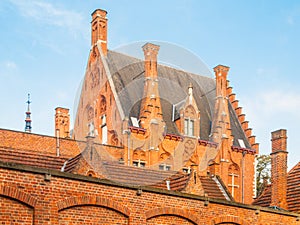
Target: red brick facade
x=198 y=162
x=101 y=113
x=64 y=198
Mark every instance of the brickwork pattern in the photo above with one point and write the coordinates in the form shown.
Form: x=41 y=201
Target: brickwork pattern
x=56 y=200
x=13 y=213
x=90 y=215
x=168 y=220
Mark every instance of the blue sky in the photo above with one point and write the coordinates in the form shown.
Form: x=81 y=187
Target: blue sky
x=44 y=47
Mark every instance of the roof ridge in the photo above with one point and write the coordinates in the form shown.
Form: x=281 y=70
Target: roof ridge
x=162 y=65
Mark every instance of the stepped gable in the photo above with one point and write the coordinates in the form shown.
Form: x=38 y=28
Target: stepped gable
x=31 y=159
x=238 y=119
x=128 y=77
x=293 y=191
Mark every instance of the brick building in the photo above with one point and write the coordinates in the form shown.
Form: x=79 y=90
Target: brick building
x=151 y=145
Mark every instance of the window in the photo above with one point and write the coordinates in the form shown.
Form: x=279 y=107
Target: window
x=139 y=163
x=186 y=170
x=189 y=127
x=104 y=130
x=164 y=167
x=233 y=181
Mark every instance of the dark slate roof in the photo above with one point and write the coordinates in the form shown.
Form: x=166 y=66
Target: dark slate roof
x=128 y=77
x=31 y=159
x=293 y=191
x=236 y=129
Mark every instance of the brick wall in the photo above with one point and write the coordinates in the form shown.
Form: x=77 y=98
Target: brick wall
x=90 y=215
x=13 y=212
x=168 y=220
x=75 y=199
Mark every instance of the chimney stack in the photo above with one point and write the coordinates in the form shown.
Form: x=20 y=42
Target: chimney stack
x=150 y=106
x=279 y=169
x=221 y=80
x=150 y=52
x=99 y=29
x=62 y=122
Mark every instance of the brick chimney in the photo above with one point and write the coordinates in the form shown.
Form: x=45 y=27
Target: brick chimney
x=279 y=169
x=221 y=80
x=151 y=106
x=150 y=53
x=99 y=29
x=221 y=119
x=62 y=122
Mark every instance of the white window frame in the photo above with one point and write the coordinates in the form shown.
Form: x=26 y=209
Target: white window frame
x=139 y=163
x=189 y=127
x=104 y=130
x=164 y=167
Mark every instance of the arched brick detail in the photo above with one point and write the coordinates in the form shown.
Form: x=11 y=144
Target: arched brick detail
x=93 y=200
x=16 y=194
x=172 y=211
x=229 y=219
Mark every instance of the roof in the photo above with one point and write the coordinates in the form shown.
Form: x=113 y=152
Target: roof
x=128 y=78
x=265 y=198
x=293 y=191
x=293 y=186
x=41 y=144
x=31 y=159
x=138 y=176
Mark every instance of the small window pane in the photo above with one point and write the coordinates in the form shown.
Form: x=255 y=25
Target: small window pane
x=191 y=128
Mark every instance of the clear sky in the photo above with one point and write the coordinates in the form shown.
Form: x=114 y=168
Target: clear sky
x=44 y=46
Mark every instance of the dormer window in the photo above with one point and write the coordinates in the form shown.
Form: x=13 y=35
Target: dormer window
x=189 y=127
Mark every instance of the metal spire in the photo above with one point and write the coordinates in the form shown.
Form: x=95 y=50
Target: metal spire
x=28 y=119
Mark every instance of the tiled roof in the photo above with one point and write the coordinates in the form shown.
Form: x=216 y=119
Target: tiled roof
x=265 y=198
x=211 y=188
x=41 y=144
x=31 y=159
x=148 y=177
x=293 y=185
x=293 y=191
